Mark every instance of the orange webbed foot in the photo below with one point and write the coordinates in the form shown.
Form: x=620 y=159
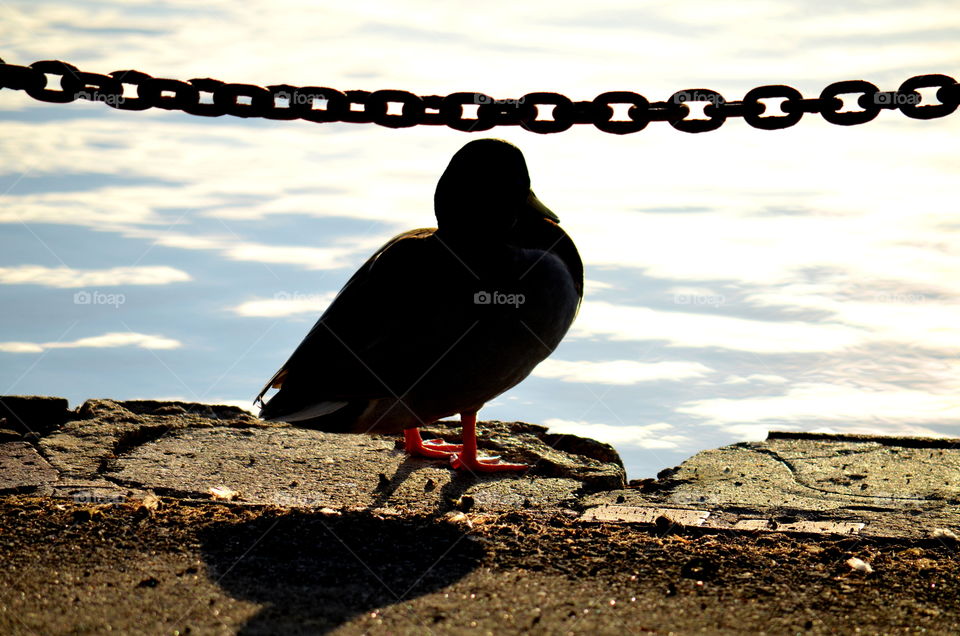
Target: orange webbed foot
x=467 y=459
x=484 y=465
x=440 y=445
x=434 y=448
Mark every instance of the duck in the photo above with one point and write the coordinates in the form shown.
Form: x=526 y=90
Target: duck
x=439 y=321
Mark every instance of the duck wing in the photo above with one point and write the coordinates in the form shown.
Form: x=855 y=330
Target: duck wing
x=369 y=343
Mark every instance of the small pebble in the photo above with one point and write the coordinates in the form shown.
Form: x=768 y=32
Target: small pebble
x=860 y=565
x=459 y=518
x=222 y=493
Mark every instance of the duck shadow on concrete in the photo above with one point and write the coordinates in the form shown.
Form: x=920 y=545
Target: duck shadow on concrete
x=313 y=572
x=446 y=496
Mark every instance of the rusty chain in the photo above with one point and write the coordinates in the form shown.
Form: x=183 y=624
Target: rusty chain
x=213 y=98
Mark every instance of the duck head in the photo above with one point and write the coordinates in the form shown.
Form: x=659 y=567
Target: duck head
x=485 y=191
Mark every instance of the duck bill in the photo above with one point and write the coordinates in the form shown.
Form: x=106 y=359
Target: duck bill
x=536 y=206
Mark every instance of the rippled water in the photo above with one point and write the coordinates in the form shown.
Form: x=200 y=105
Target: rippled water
x=738 y=281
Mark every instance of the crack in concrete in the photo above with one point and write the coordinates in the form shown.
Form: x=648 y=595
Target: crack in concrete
x=157 y=490
x=803 y=484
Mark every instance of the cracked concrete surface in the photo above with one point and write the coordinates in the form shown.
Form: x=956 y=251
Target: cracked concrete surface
x=885 y=487
x=107 y=451
x=150 y=517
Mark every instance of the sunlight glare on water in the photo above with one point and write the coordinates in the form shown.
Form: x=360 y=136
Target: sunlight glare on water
x=738 y=281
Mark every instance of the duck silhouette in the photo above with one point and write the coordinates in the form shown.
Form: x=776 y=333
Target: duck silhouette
x=440 y=320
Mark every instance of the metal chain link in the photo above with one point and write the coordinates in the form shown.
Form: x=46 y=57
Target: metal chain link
x=473 y=112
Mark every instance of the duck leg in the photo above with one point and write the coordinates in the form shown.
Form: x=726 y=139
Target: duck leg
x=435 y=448
x=468 y=460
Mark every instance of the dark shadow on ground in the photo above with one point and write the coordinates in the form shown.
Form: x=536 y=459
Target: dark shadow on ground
x=314 y=572
x=460 y=482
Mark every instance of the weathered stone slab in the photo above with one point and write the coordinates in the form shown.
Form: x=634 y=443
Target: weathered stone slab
x=102 y=428
x=23 y=469
x=813 y=484
x=648 y=515
x=820 y=475
x=35 y=414
x=305 y=468
x=107 y=451
x=801 y=527
x=884 y=473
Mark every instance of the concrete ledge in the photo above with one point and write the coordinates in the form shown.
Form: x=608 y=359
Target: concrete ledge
x=144 y=516
x=810 y=483
x=802 y=483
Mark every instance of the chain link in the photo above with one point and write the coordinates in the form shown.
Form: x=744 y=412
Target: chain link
x=473 y=112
